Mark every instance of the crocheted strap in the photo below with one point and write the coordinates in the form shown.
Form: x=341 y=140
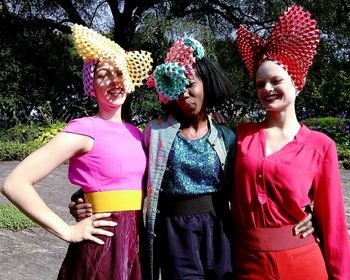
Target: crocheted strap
x=88 y=76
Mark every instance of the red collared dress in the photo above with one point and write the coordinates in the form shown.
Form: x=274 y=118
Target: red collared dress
x=270 y=192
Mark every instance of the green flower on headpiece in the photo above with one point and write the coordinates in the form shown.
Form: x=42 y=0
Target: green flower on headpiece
x=170 y=80
x=198 y=50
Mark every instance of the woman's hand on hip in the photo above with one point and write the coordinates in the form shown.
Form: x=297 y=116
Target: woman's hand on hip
x=88 y=228
x=80 y=210
x=304 y=227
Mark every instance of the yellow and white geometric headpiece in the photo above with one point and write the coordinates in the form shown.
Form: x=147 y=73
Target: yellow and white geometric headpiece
x=92 y=46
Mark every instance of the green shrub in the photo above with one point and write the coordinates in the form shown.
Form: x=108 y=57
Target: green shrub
x=26 y=133
x=13 y=219
x=16 y=150
x=20 y=141
x=46 y=133
x=20 y=133
x=344 y=156
x=337 y=128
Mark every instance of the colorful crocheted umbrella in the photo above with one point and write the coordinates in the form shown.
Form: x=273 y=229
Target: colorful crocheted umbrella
x=292 y=43
x=171 y=78
x=94 y=47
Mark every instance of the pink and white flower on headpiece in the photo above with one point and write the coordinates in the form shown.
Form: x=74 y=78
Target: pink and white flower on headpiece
x=171 y=78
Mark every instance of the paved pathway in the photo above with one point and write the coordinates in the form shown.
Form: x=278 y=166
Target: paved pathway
x=36 y=254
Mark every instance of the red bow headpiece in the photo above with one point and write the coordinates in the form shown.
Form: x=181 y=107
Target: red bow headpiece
x=292 y=43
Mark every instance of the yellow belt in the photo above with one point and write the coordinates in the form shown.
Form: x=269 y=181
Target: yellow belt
x=117 y=200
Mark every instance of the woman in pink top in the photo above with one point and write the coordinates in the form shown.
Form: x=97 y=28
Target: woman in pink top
x=106 y=160
x=283 y=167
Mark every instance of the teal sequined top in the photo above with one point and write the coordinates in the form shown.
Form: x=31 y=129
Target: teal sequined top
x=158 y=139
x=193 y=167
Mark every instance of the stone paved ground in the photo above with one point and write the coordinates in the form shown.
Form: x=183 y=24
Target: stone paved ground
x=36 y=254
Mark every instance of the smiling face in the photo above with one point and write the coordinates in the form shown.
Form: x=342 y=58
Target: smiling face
x=109 y=85
x=274 y=87
x=192 y=101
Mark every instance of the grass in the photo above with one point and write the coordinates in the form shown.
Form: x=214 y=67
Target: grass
x=13 y=219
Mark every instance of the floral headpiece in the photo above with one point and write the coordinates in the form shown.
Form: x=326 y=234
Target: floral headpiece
x=171 y=78
x=94 y=47
x=292 y=43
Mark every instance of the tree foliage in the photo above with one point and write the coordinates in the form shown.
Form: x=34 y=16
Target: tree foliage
x=40 y=73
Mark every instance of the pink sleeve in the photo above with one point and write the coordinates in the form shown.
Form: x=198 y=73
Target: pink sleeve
x=330 y=216
x=83 y=126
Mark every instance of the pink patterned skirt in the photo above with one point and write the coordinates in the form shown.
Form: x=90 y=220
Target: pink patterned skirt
x=117 y=259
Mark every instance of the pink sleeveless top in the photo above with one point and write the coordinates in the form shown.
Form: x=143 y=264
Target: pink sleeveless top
x=117 y=160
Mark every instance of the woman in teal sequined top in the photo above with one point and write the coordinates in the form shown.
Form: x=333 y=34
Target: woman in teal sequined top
x=188 y=183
